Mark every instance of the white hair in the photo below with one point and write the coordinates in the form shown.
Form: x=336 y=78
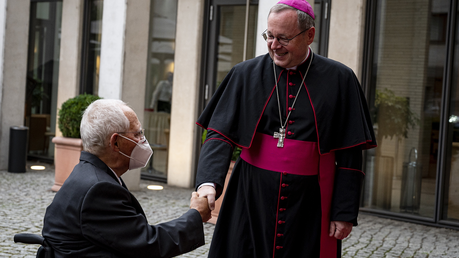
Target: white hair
x=101 y=119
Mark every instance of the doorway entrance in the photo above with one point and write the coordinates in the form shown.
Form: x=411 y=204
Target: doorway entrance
x=230 y=39
x=42 y=77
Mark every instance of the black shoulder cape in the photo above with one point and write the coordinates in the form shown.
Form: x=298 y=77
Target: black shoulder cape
x=341 y=114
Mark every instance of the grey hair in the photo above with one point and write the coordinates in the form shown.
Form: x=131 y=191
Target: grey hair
x=100 y=120
x=304 y=20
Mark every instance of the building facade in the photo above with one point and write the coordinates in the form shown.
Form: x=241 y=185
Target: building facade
x=166 y=58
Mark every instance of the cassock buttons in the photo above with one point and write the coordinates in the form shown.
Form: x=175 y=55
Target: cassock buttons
x=279 y=247
x=284 y=185
x=291 y=96
x=284 y=173
x=290 y=109
x=279 y=235
x=281 y=222
x=291 y=122
x=290 y=133
x=283 y=197
x=282 y=209
x=292 y=73
x=291 y=83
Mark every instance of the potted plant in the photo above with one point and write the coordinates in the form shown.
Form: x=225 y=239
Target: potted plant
x=69 y=146
x=218 y=203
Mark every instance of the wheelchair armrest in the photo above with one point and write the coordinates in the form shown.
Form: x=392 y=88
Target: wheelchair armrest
x=27 y=238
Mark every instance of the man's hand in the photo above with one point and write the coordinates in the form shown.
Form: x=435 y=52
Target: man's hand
x=208 y=192
x=200 y=204
x=340 y=229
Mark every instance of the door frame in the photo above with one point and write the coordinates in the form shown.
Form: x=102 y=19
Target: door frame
x=210 y=45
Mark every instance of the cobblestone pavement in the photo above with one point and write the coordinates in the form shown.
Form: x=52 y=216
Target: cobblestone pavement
x=25 y=196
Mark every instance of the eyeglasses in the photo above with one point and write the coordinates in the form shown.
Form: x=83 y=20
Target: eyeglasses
x=138 y=134
x=283 y=41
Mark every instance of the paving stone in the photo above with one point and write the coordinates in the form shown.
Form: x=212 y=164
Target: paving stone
x=25 y=196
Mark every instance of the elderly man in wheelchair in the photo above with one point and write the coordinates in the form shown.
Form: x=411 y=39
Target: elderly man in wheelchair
x=95 y=215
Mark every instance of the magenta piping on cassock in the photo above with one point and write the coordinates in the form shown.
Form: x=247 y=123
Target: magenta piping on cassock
x=258 y=122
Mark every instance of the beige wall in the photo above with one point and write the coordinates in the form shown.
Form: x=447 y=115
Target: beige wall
x=262 y=24
x=182 y=154
x=136 y=54
x=124 y=59
x=135 y=67
x=16 y=31
x=347 y=19
x=112 y=49
x=70 y=52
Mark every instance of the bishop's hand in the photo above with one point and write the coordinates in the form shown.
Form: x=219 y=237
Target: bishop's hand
x=200 y=204
x=340 y=229
x=208 y=192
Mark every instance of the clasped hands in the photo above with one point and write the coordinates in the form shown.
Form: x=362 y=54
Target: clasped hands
x=200 y=204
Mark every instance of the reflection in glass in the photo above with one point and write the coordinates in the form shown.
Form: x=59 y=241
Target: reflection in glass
x=231 y=37
x=91 y=47
x=451 y=190
x=317 y=13
x=158 y=92
x=42 y=77
x=407 y=75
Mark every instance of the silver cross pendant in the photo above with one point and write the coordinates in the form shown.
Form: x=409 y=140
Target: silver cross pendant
x=280 y=136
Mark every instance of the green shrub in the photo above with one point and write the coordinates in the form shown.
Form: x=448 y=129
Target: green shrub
x=71 y=113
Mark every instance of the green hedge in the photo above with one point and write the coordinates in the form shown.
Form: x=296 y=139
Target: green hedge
x=71 y=113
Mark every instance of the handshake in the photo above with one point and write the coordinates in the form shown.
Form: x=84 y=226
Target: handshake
x=200 y=204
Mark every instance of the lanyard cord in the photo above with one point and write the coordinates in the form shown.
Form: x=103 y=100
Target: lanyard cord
x=296 y=97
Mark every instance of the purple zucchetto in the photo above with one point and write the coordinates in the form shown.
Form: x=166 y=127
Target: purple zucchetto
x=301 y=5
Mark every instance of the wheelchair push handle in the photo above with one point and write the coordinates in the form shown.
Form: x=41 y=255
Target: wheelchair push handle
x=28 y=238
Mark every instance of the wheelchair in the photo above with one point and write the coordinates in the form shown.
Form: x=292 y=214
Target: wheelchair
x=45 y=250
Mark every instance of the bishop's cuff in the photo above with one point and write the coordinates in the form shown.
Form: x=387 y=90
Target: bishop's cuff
x=346 y=195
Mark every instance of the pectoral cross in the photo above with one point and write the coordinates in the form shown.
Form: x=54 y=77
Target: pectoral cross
x=280 y=136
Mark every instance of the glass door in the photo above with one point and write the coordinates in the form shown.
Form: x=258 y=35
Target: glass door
x=450 y=209
x=322 y=20
x=158 y=90
x=91 y=46
x=409 y=55
x=42 y=77
x=229 y=37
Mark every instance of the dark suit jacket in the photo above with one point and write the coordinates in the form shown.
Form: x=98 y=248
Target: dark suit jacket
x=92 y=215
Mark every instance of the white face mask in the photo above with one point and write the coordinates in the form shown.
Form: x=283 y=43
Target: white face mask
x=140 y=154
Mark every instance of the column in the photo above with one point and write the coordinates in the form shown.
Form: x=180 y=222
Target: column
x=14 y=32
x=182 y=152
x=347 y=33
x=124 y=59
x=70 y=53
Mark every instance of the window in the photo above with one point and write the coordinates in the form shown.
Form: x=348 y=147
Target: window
x=91 y=46
x=411 y=78
x=42 y=77
x=158 y=92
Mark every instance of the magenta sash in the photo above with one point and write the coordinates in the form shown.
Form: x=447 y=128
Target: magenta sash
x=296 y=157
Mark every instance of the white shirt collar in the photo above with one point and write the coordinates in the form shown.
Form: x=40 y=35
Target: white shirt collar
x=116 y=176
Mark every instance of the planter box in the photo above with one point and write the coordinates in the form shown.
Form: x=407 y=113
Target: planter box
x=218 y=203
x=66 y=157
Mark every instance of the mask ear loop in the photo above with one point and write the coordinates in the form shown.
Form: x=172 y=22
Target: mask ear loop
x=128 y=139
x=124 y=155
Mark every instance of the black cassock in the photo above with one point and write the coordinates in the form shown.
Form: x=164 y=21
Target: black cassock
x=280 y=201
